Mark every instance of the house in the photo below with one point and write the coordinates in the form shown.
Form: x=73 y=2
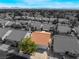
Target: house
x=42 y=38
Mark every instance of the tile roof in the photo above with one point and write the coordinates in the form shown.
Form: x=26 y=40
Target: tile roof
x=41 y=38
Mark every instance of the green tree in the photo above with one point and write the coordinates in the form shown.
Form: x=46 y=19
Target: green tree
x=27 y=46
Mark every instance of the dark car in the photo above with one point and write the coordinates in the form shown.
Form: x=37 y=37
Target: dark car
x=1 y=25
x=16 y=26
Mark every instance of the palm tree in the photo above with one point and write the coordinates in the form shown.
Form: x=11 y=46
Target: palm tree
x=27 y=46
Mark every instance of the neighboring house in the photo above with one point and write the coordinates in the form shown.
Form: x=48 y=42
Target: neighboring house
x=63 y=44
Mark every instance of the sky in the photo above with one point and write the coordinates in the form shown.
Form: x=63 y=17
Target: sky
x=65 y=4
